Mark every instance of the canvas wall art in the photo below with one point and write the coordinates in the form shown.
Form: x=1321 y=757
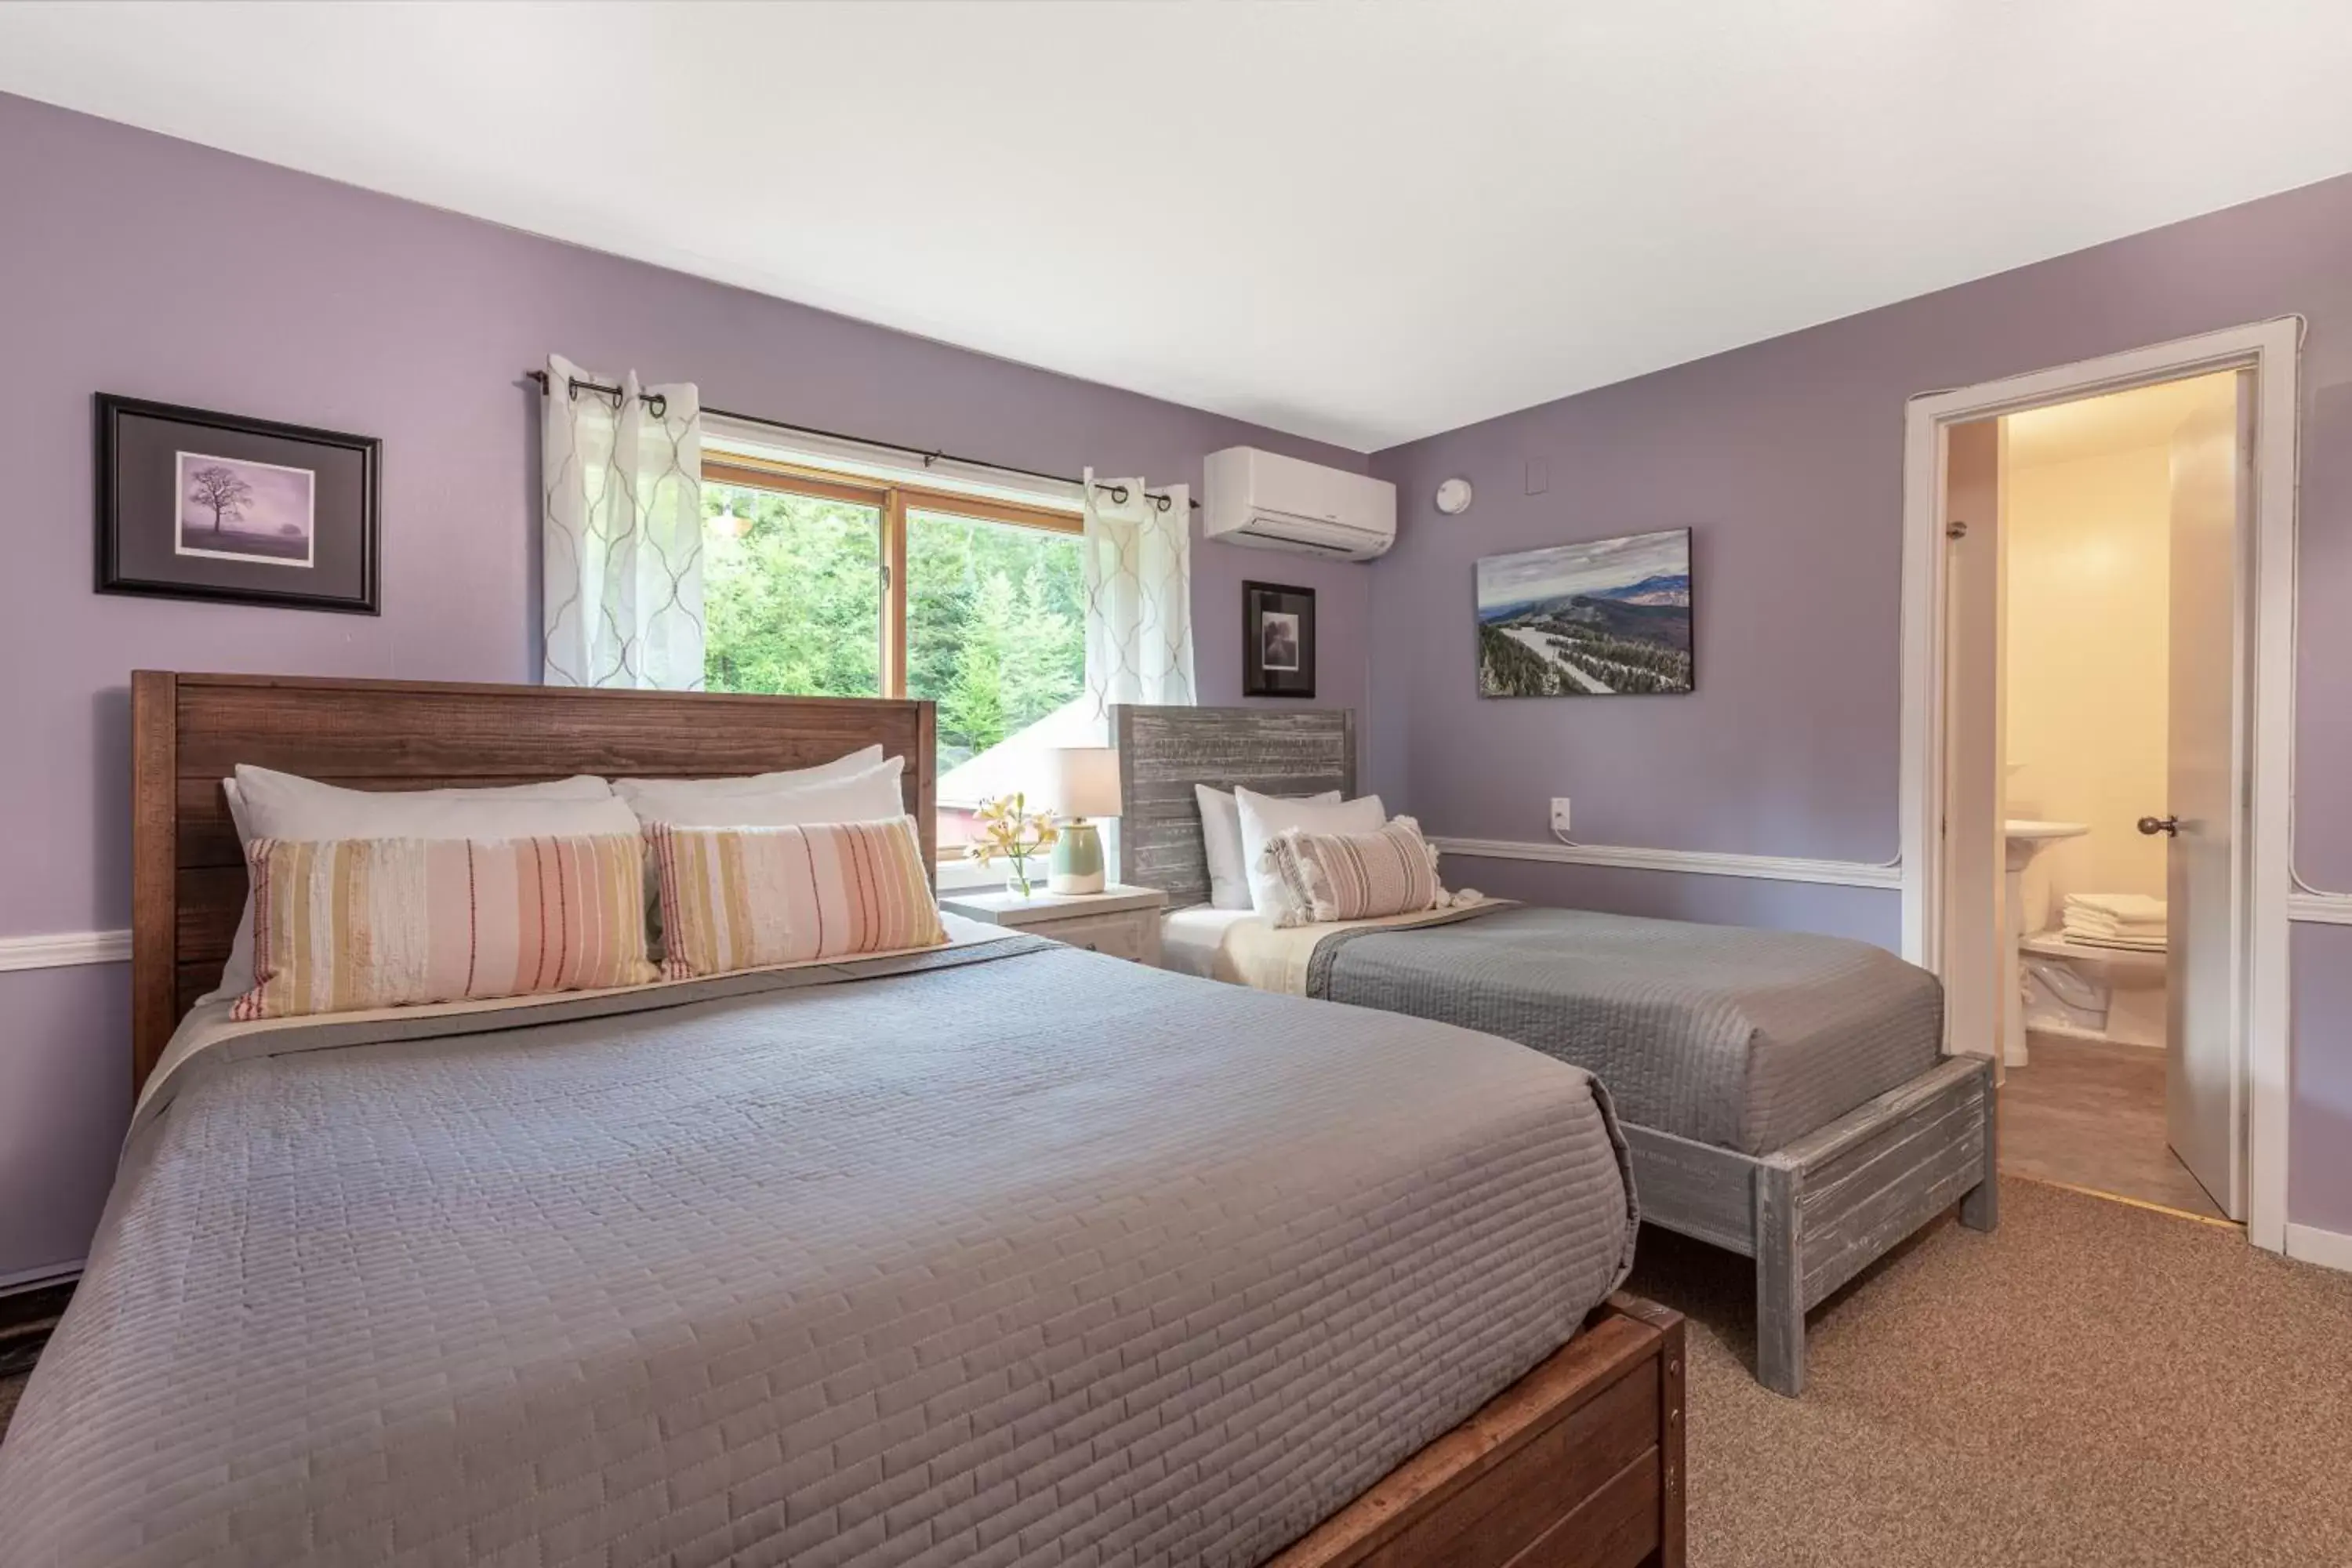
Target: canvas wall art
x=1607 y=619
x=192 y=504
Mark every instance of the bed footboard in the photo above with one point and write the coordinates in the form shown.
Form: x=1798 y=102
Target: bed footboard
x=1817 y=1213
x=1576 y=1465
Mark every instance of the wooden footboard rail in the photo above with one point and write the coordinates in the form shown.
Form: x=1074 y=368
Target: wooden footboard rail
x=1576 y=1465
x=1817 y=1213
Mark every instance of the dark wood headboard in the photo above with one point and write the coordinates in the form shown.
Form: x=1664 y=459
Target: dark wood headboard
x=1164 y=751
x=189 y=733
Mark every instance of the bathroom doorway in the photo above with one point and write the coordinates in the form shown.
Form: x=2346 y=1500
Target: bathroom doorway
x=2100 y=878
x=2110 y=532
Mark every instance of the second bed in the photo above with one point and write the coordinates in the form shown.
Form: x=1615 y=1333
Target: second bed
x=1786 y=1095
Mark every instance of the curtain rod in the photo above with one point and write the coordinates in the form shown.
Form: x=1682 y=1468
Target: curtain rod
x=660 y=404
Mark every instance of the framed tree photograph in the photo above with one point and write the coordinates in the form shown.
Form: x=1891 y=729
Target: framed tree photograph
x=197 y=505
x=1278 y=640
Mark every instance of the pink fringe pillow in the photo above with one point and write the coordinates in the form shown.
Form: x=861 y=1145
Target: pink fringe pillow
x=746 y=898
x=344 y=924
x=1355 y=876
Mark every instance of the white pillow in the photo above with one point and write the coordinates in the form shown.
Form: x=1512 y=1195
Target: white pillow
x=856 y=762
x=1264 y=816
x=871 y=795
x=1221 y=838
x=265 y=804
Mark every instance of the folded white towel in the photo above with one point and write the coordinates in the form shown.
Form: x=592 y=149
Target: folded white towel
x=2101 y=918
x=2114 y=928
x=2120 y=944
x=2117 y=906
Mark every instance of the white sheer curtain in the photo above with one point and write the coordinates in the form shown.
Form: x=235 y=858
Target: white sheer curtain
x=621 y=539
x=1139 y=577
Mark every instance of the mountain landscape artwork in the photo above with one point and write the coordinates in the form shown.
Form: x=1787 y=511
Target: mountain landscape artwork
x=1606 y=618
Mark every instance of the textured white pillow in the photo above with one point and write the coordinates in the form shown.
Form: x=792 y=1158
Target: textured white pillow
x=870 y=795
x=1221 y=838
x=858 y=762
x=265 y=804
x=1264 y=816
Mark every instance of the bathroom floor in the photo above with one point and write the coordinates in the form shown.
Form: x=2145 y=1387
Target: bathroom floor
x=2091 y=1115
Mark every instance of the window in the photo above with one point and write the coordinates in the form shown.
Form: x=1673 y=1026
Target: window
x=817 y=584
x=791 y=590
x=995 y=627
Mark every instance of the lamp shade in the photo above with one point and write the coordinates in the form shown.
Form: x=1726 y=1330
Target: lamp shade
x=1081 y=781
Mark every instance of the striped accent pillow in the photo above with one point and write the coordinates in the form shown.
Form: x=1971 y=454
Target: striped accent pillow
x=746 y=898
x=1355 y=876
x=343 y=924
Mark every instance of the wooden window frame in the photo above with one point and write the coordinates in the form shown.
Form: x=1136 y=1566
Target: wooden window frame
x=895 y=502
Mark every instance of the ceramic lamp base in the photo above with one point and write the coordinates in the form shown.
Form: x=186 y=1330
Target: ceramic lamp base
x=1077 y=863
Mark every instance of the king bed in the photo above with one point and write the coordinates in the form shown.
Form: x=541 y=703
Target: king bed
x=1785 y=1095
x=995 y=1251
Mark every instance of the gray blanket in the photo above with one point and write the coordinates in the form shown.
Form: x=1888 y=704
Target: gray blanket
x=1046 y=1259
x=1748 y=1039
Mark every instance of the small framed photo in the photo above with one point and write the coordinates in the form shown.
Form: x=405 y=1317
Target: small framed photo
x=197 y=505
x=1278 y=640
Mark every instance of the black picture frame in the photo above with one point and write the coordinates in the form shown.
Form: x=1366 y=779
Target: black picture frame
x=1277 y=624
x=318 y=490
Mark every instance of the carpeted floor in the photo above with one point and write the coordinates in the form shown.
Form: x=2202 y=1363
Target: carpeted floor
x=2094 y=1385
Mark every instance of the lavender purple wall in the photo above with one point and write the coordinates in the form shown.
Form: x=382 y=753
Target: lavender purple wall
x=140 y=265
x=1785 y=458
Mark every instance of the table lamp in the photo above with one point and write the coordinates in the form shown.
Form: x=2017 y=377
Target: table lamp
x=1081 y=782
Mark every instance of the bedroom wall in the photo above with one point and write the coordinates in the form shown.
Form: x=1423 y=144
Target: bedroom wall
x=140 y=265
x=1785 y=458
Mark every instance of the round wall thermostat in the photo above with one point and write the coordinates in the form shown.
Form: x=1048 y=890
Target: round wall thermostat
x=1454 y=497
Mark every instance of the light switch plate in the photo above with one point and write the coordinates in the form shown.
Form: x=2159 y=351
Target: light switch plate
x=1559 y=813
x=1539 y=478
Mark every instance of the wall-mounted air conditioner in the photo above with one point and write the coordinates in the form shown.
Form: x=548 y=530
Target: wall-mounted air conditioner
x=1274 y=502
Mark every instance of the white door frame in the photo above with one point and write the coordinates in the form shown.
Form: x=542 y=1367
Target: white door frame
x=2270 y=349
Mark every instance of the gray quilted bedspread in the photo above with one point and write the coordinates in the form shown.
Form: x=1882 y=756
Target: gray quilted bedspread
x=1745 y=1039
x=1046 y=1259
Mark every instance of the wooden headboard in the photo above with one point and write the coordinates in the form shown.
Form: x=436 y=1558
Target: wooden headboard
x=189 y=733
x=1164 y=751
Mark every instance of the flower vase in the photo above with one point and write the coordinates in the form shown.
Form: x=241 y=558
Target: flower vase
x=1018 y=882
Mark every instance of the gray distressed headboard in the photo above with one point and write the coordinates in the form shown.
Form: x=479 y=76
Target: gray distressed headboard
x=1164 y=751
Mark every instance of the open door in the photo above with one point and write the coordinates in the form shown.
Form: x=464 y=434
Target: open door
x=1980 y=957
x=2206 y=817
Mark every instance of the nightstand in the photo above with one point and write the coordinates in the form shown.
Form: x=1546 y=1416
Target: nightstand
x=1121 y=922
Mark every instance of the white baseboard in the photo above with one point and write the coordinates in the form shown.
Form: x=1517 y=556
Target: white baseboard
x=2328 y=1249
x=62 y=949
x=1688 y=862
x=35 y=1278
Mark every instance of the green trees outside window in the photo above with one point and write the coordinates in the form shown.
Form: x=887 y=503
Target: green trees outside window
x=793 y=602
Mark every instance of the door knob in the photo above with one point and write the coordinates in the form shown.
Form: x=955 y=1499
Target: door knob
x=2168 y=826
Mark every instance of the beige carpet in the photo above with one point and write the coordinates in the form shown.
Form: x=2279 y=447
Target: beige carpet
x=2092 y=1385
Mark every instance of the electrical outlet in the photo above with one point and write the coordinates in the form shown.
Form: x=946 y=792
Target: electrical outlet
x=1559 y=813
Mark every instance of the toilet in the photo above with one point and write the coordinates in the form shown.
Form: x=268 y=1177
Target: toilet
x=2092 y=992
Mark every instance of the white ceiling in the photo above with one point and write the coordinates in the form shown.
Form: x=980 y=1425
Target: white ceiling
x=2117 y=422
x=1360 y=222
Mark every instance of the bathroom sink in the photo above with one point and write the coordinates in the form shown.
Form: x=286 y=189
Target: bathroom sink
x=2028 y=837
